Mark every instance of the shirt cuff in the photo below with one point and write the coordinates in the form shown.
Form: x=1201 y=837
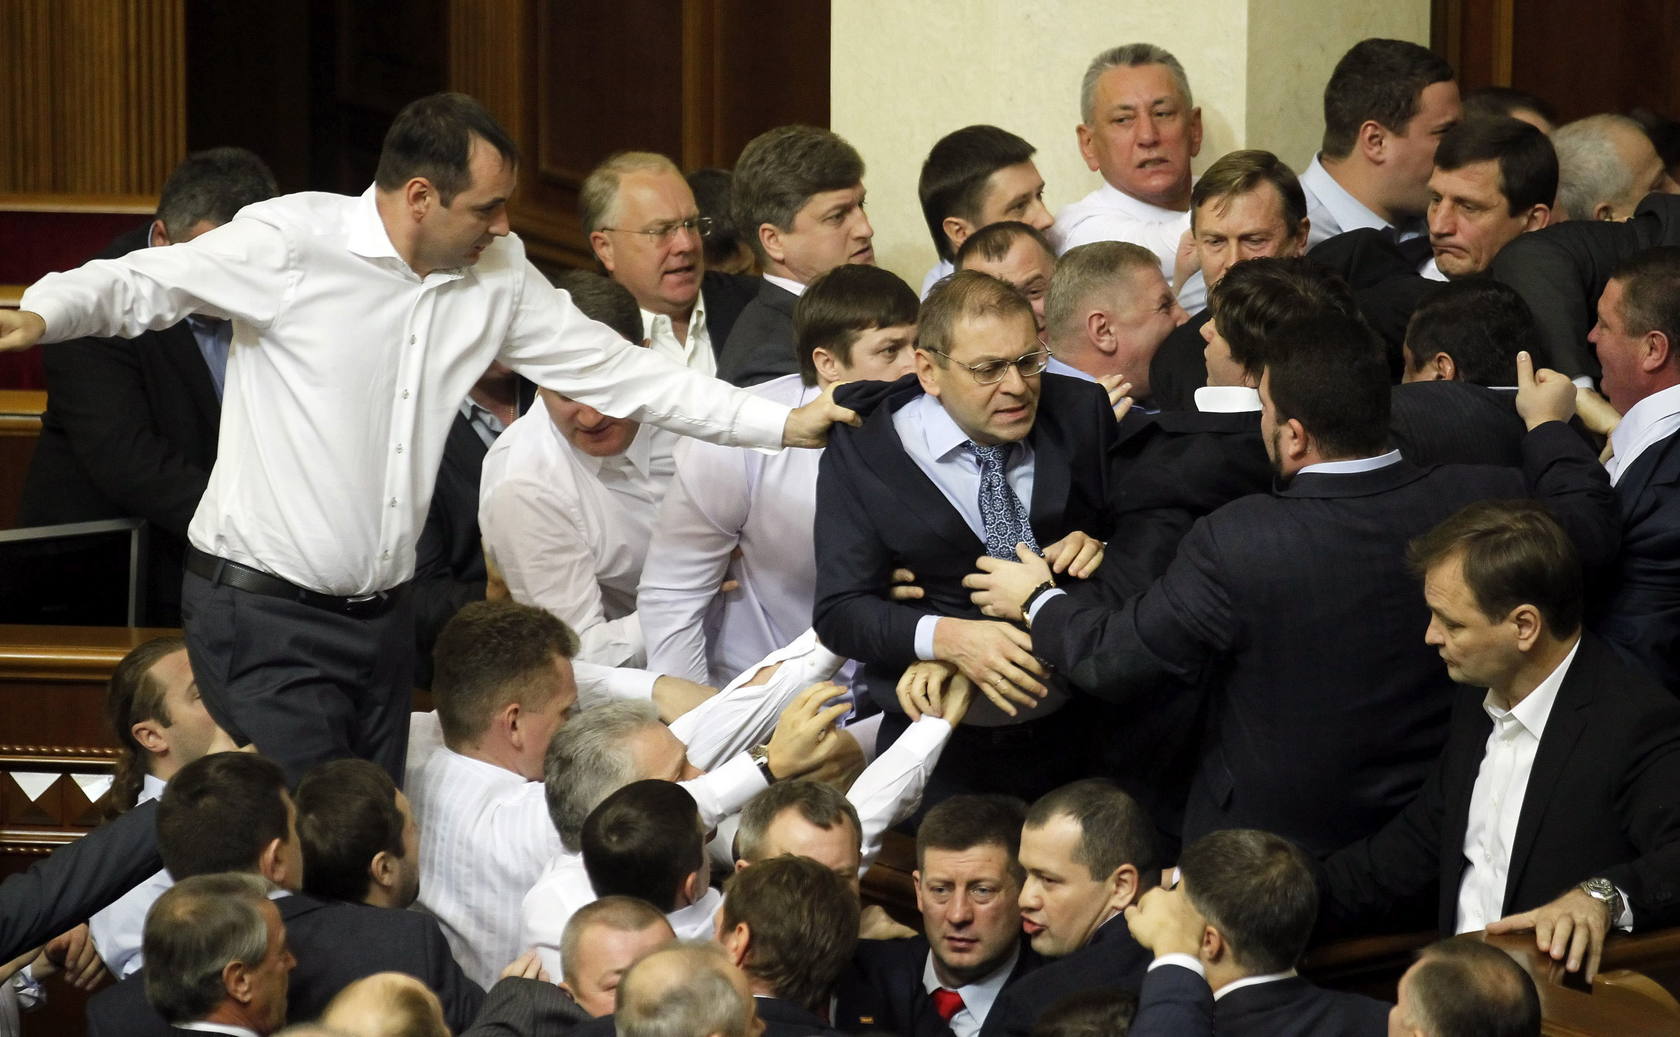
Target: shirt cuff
x=1184 y=961
x=1583 y=380
x=760 y=423
x=726 y=790
x=1039 y=604
x=924 y=637
x=1624 y=921
x=597 y=684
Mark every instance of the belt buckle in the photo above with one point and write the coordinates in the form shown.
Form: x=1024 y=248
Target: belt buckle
x=362 y=604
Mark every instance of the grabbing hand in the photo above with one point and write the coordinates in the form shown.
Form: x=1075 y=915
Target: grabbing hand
x=937 y=689
x=75 y=955
x=1595 y=412
x=1076 y=554
x=526 y=966
x=20 y=329
x=1573 y=924
x=807 y=426
x=904 y=586
x=1001 y=587
x=1119 y=393
x=996 y=657
x=802 y=732
x=1163 y=921
x=1543 y=395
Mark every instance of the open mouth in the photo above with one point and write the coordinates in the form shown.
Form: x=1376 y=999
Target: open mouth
x=866 y=254
x=1030 y=927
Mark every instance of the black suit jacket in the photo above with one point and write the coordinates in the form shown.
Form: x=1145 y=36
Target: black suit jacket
x=1599 y=802
x=883 y=990
x=1384 y=277
x=760 y=345
x=877 y=511
x=1640 y=613
x=1176 y=1002
x=1111 y=961
x=335 y=943
x=726 y=296
x=1179 y=367
x=1455 y=423
x=518 y=1007
x=130 y=430
x=1328 y=708
x=77 y=880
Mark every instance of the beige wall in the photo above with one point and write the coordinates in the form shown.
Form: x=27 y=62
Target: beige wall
x=906 y=72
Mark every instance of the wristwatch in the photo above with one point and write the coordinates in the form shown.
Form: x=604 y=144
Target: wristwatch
x=1037 y=592
x=1604 y=890
x=760 y=755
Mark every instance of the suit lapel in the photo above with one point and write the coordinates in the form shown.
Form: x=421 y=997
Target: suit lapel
x=904 y=483
x=1563 y=730
x=1052 y=476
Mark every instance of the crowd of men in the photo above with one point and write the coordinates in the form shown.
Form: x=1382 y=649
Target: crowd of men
x=1219 y=566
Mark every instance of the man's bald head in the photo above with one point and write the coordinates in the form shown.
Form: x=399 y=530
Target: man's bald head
x=386 y=1004
x=688 y=989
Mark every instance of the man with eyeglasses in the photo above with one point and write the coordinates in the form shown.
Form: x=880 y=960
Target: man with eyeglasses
x=979 y=453
x=647 y=232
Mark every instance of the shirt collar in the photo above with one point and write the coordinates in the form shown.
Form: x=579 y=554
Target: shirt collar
x=1353 y=465
x=223 y=1028
x=942 y=435
x=638 y=455
x=1642 y=416
x=786 y=285
x=696 y=318
x=696 y=915
x=367 y=236
x=1227 y=399
x=1252 y=981
x=1536 y=707
x=977 y=997
x=1115 y=198
x=1350 y=212
x=478 y=414
x=151 y=787
x=1056 y=365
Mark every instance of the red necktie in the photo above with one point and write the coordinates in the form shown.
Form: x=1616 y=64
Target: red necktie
x=947 y=1003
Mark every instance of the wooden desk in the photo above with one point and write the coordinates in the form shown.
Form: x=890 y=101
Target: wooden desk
x=20 y=427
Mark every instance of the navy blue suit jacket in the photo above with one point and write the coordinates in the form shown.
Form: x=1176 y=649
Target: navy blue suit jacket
x=1175 y=1002
x=884 y=991
x=77 y=880
x=760 y=345
x=1111 y=961
x=1640 y=614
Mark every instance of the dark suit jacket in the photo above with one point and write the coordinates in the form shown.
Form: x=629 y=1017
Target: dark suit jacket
x=1455 y=423
x=1384 y=277
x=1640 y=614
x=76 y=880
x=1600 y=802
x=335 y=943
x=518 y=1007
x=1328 y=708
x=781 y=1019
x=1179 y=367
x=883 y=990
x=877 y=511
x=130 y=430
x=1112 y=960
x=1176 y=1002
x=726 y=296
x=760 y=345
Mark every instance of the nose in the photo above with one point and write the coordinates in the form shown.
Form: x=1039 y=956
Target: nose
x=960 y=911
x=1147 y=131
x=1207 y=332
x=589 y=416
x=685 y=239
x=1178 y=315
x=1441 y=220
x=1014 y=382
x=1433 y=635
x=1038 y=217
x=499 y=226
x=1030 y=899
x=863 y=231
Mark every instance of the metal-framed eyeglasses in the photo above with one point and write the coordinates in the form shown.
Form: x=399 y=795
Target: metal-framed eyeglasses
x=991 y=372
x=698 y=225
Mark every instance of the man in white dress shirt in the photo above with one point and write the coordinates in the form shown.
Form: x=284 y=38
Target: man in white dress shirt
x=1108 y=311
x=1139 y=128
x=359 y=324
x=975 y=177
x=743 y=516
x=1385 y=107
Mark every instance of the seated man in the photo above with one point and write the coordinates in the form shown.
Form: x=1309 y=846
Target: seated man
x=790 y=924
x=798 y=198
x=1227 y=939
x=1560 y=776
x=200 y=973
x=1606 y=166
x=1464 y=986
x=972 y=178
x=739 y=515
x=968 y=887
x=231 y=812
x=387 y=1004
x=942 y=469
x=160 y=722
x=646 y=841
x=1017 y=254
x=360 y=843
x=1089 y=853
x=1108 y=311
x=567 y=501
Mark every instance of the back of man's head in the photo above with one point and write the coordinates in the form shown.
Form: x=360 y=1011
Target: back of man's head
x=992 y=244
x=1479 y=323
x=955 y=174
x=970 y=821
x=712 y=189
x=1465 y=988
x=815 y=802
x=644 y=841
x=1606 y=164
x=197 y=928
x=223 y=812
x=1258 y=296
x=433 y=138
x=1379 y=81
x=209 y=187
x=347 y=816
x=491 y=654
x=1114 y=829
x=590 y=759
x=840 y=305
x=600 y=298
x=1330 y=372
x=781 y=169
x=1091 y=275
x=1528 y=164
x=801 y=924
x=386 y=1004
x=1508 y=101
x=1258 y=890
x=134 y=695
x=687 y=990
x=1513 y=553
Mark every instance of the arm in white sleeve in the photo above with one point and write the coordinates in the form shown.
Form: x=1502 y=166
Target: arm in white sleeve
x=890 y=789
x=552 y=343
x=742 y=715
x=699 y=525
x=726 y=790
x=599 y=684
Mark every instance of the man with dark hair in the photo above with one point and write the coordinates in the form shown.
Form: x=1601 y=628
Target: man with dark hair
x=745 y=516
x=231 y=812
x=1226 y=940
x=1637 y=339
x=359 y=839
x=1511 y=103
x=217 y=957
x=1232 y=612
x=1088 y=852
x=968 y=887
x=130 y=427
x=646 y=841
x=1107 y=312
x=1018 y=255
x=726 y=251
x=798 y=199
x=975 y=177
x=1493 y=179
x=1465 y=988
x=790 y=924
x=1385 y=107
x=1561 y=773
x=1469 y=331
x=306 y=530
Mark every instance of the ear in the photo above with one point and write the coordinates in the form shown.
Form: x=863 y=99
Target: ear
x=507 y=720
x=736 y=942
x=956 y=231
x=1295 y=442
x=570 y=994
x=1099 y=331
x=383 y=869
x=159 y=235
x=1087 y=149
x=925 y=374
x=1213 y=946
x=1371 y=141
x=271 y=864
x=1446 y=370
x=1303 y=234
x=1538 y=216
x=827 y=364
x=1195 y=132
x=916 y=884
x=1529 y=624
x=419 y=196
x=236 y=980
x=1604 y=211
x=1657 y=351
x=693 y=888
x=1124 y=887
x=770 y=237
x=149 y=733
x=601 y=245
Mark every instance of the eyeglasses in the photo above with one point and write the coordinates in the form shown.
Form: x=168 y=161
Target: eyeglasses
x=700 y=225
x=991 y=372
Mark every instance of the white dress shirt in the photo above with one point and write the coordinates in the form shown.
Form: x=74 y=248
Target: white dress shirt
x=787 y=284
x=117 y=929
x=695 y=921
x=977 y=997
x=1647 y=423
x=1110 y=214
x=694 y=350
x=1334 y=211
x=1353 y=465
x=721 y=499
x=569 y=531
x=1227 y=399
x=227 y=1029
x=938 y=272
x=346 y=370
x=1055 y=365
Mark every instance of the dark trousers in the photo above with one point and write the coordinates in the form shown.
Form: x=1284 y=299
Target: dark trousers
x=1025 y=760
x=304 y=684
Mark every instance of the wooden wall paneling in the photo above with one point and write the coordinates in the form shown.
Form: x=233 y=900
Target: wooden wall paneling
x=772 y=69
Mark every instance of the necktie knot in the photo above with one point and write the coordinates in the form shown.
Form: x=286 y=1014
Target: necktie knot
x=947 y=1003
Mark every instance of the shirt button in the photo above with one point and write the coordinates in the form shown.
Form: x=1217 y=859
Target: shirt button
x=411 y=340
x=384 y=554
x=393 y=502
x=405 y=394
x=399 y=448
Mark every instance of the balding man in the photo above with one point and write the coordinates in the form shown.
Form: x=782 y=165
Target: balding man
x=1606 y=165
x=216 y=957
x=690 y=990
x=386 y=1004
x=1465 y=986
x=1108 y=311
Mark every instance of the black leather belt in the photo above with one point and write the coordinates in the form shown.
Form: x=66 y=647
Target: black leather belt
x=222 y=572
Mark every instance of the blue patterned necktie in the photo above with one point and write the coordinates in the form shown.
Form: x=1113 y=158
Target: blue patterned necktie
x=1002 y=517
